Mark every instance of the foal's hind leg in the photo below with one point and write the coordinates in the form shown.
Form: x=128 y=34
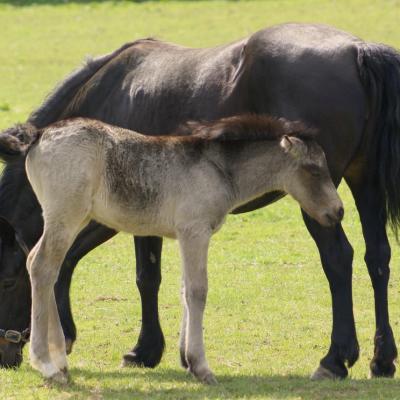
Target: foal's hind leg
x=377 y=257
x=43 y=268
x=57 y=345
x=47 y=350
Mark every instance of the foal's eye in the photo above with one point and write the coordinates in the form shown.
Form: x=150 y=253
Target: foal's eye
x=313 y=170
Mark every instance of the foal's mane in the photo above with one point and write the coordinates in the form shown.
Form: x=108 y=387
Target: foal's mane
x=247 y=127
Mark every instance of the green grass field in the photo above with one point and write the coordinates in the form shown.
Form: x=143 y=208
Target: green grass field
x=268 y=316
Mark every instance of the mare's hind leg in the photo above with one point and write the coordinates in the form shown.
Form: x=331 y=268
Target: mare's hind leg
x=377 y=257
x=336 y=256
x=150 y=345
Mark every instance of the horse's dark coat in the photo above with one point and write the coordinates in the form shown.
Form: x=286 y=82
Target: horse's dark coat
x=346 y=88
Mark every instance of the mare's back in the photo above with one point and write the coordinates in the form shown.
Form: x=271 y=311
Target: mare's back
x=152 y=87
x=309 y=73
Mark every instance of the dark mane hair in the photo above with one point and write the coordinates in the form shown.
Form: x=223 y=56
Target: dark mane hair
x=249 y=127
x=57 y=102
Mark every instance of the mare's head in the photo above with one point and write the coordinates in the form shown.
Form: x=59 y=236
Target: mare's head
x=20 y=227
x=15 y=296
x=308 y=179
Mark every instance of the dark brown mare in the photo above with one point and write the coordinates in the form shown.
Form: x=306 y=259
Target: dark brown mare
x=346 y=88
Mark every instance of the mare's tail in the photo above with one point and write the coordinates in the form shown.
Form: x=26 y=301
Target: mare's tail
x=379 y=68
x=16 y=141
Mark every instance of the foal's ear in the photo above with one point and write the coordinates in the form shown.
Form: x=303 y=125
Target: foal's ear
x=293 y=146
x=7 y=232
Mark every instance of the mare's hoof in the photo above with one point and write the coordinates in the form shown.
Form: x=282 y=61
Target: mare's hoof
x=147 y=353
x=136 y=359
x=68 y=345
x=322 y=373
x=59 y=378
x=382 y=370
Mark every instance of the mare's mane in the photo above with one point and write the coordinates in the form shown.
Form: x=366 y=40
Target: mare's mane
x=59 y=100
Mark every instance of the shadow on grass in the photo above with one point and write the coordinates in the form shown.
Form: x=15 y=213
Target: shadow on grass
x=177 y=384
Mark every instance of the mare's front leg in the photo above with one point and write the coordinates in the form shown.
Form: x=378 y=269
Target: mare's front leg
x=150 y=346
x=194 y=251
x=91 y=237
x=337 y=257
x=371 y=208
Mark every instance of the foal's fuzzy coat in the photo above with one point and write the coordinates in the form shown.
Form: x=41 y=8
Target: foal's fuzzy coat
x=176 y=186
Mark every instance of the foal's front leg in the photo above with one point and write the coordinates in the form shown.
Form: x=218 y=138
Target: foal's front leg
x=182 y=336
x=194 y=249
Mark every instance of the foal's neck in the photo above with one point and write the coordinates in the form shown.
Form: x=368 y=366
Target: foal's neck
x=259 y=167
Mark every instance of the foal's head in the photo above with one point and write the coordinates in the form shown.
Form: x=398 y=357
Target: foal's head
x=308 y=180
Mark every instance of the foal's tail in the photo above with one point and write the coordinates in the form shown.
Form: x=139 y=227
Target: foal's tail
x=379 y=68
x=16 y=141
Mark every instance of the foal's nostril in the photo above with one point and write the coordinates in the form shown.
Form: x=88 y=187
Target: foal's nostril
x=340 y=213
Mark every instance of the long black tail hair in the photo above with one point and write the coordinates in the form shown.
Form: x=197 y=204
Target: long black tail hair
x=379 y=68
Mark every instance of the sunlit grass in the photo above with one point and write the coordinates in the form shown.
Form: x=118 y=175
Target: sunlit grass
x=268 y=316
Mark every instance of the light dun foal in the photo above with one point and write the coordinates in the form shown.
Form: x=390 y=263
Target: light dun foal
x=176 y=186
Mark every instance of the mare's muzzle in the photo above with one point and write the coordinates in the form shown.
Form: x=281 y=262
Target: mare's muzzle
x=11 y=344
x=10 y=355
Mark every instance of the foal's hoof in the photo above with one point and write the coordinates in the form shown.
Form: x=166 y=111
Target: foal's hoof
x=184 y=363
x=322 y=373
x=209 y=379
x=59 y=378
x=206 y=377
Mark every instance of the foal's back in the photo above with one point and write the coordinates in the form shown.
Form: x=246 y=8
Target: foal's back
x=130 y=182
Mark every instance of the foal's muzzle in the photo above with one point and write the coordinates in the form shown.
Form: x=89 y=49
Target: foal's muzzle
x=334 y=217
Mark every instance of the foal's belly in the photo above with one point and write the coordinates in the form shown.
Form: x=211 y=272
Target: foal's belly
x=139 y=222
